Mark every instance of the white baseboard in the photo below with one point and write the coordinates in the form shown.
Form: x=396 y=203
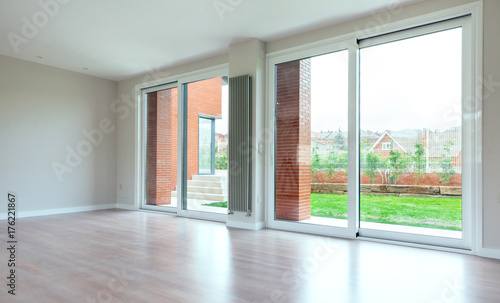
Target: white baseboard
x=126 y=206
x=246 y=225
x=58 y=211
x=489 y=253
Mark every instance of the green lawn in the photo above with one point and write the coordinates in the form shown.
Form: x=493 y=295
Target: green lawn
x=441 y=213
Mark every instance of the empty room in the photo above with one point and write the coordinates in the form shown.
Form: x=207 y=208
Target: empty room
x=250 y=151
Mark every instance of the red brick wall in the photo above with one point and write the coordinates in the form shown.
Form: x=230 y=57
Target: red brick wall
x=293 y=141
x=204 y=97
x=161 y=160
x=151 y=150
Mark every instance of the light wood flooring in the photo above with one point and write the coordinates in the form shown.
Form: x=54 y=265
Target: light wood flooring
x=130 y=256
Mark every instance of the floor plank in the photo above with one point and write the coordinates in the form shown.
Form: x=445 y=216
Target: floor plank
x=128 y=256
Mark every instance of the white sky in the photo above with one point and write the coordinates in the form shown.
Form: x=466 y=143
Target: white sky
x=329 y=91
x=413 y=83
x=221 y=125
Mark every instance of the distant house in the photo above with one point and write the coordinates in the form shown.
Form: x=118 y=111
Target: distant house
x=433 y=142
x=221 y=141
x=324 y=136
x=320 y=147
x=368 y=136
x=339 y=139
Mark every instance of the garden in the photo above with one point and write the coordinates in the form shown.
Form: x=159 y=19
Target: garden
x=400 y=189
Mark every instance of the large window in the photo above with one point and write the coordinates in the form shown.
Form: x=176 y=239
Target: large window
x=205 y=141
x=311 y=140
x=408 y=88
x=184 y=139
x=160 y=132
x=372 y=139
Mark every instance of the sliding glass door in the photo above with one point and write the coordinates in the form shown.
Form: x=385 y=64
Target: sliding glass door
x=411 y=97
x=160 y=148
x=205 y=145
x=376 y=140
x=312 y=143
x=184 y=140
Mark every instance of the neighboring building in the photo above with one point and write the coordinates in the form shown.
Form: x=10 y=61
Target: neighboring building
x=221 y=141
x=321 y=147
x=434 y=143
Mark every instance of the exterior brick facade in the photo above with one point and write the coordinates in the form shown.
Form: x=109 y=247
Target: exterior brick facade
x=161 y=146
x=204 y=97
x=293 y=141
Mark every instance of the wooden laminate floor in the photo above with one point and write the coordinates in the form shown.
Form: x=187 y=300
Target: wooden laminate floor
x=127 y=256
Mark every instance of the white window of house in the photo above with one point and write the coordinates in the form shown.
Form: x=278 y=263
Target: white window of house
x=387 y=146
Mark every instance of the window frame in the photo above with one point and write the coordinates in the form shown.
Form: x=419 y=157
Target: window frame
x=350 y=41
x=180 y=81
x=387 y=146
x=467 y=129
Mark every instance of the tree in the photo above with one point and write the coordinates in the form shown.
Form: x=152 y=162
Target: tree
x=446 y=165
x=342 y=162
x=396 y=164
x=220 y=159
x=339 y=140
x=419 y=162
x=315 y=161
x=330 y=163
x=372 y=165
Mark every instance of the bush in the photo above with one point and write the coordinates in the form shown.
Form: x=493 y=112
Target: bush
x=372 y=166
x=446 y=165
x=220 y=159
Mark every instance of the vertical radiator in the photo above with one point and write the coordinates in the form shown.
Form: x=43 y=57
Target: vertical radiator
x=239 y=146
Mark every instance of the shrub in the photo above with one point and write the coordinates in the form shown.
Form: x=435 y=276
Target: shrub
x=220 y=159
x=419 y=163
x=396 y=164
x=372 y=166
x=446 y=165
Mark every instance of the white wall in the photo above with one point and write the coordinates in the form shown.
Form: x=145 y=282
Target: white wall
x=491 y=124
x=43 y=110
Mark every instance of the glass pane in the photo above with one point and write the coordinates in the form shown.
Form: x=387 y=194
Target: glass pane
x=161 y=148
x=311 y=140
x=411 y=135
x=207 y=145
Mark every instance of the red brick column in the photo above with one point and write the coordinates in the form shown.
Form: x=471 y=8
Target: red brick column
x=151 y=149
x=293 y=141
x=161 y=146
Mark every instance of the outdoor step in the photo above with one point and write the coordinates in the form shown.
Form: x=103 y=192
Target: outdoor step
x=207 y=183
x=207 y=190
x=203 y=196
x=217 y=178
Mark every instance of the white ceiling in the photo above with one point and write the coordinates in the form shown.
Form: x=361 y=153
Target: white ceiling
x=118 y=39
